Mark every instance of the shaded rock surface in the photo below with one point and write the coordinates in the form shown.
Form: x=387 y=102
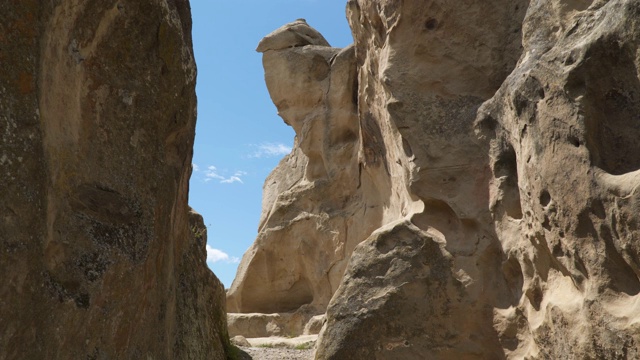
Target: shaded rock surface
x=485 y=200
x=101 y=257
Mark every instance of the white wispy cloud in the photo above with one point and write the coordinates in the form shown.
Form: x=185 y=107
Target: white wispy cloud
x=234 y=178
x=215 y=255
x=270 y=150
x=212 y=173
x=231 y=180
x=223 y=177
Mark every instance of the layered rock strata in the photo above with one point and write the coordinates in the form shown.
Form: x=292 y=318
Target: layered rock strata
x=101 y=258
x=494 y=174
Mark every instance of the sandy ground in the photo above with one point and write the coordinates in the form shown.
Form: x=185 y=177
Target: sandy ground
x=261 y=353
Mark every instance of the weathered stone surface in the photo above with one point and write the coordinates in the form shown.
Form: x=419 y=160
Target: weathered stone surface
x=425 y=68
x=563 y=128
x=526 y=245
x=314 y=325
x=490 y=207
x=258 y=325
x=201 y=326
x=240 y=340
x=314 y=195
x=410 y=304
x=97 y=111
x=297 y=33
x=299 y=343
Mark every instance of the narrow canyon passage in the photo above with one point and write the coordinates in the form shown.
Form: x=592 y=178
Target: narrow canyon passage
x=462 y=185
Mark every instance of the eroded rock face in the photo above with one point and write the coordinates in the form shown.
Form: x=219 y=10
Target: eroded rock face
x=561 y=128
x=495 y=166
x=536 y=238
x=314 y=198
x=100 y=255
x=421 y=280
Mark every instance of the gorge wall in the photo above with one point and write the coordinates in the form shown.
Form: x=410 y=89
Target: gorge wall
x=463 y=184
x=101 y=257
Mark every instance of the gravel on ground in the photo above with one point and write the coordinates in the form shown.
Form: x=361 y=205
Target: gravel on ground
x=266 y=353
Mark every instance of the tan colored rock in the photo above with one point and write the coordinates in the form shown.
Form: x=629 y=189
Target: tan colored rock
x=405 y=302
x=563 y=128
x=314 y=325
x=100 y=255
x=240 y=340
x=489 y=204
x=524 y=247
x=297 y=33
x=258 y=325
x=201 y=327
x=416 y=289
x=315 y=194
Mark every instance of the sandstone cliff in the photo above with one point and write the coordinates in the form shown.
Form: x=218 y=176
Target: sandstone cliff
x=475 y=163
x=313 y=199
x=101 y=258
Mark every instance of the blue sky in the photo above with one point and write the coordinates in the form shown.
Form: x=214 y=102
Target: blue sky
x=239 y=136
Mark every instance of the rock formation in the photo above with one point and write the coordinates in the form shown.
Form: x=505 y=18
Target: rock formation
x=101 y=257
x=430 y=266
x=313 y=199
x=477 y=169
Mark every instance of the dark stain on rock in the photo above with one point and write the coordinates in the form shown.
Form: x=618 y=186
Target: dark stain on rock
x=104 y=205
x=66 y=291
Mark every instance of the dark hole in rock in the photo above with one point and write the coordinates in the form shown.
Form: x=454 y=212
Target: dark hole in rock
x=487 y=124
x=535 y=297
x=574 y=141
x=545 y=198
x=431 y=24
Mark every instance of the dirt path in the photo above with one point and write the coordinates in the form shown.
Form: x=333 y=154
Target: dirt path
x=264 y=353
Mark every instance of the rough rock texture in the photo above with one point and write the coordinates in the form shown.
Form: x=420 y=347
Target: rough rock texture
x=313 y=200
x=201 y=320
x=100 y=256
x=424 y=70
x=257 y=325
x=489 y=184
x=530 y=252
x=564 y=128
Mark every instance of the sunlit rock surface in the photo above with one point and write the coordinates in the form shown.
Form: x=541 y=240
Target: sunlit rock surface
x=475 y=163
x=314 y=198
